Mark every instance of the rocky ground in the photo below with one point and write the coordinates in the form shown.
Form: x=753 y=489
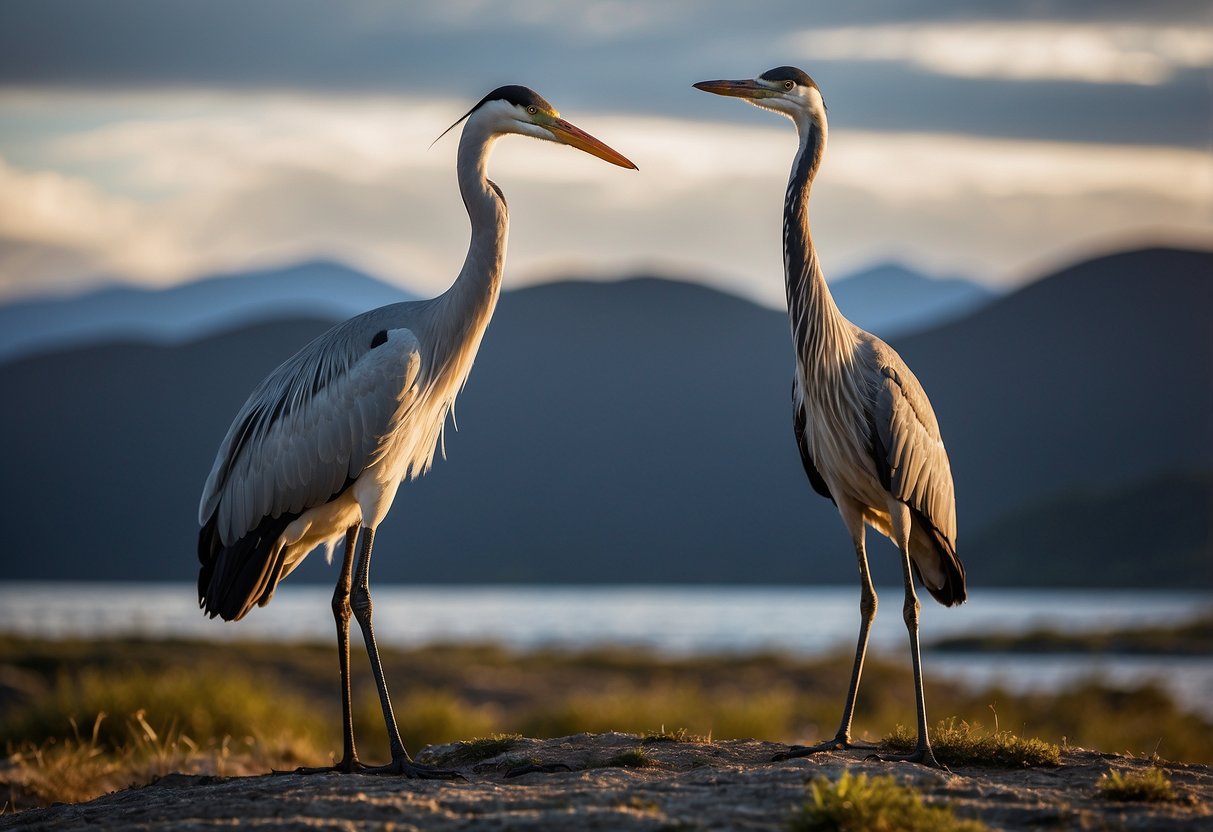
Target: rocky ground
x=617 y=783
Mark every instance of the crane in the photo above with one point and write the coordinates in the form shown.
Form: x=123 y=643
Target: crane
x=317 y=452
x=867 y=434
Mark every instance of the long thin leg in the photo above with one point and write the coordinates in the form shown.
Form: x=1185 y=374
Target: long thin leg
x=401 y=763
x=922 y=750
x=867 y=610
x=341 y=614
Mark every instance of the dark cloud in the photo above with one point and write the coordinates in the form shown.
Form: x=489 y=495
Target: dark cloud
x=579 y=61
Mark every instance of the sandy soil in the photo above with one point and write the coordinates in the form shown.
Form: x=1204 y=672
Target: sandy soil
x=686 y=786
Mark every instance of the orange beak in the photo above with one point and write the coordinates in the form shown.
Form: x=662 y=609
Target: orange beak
x=737 y=89
x=573 y=136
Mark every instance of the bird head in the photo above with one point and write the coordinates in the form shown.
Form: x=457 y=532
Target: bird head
x=522 y=111
x=785 y=89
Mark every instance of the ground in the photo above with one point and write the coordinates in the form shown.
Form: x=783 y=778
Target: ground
x=621 y=782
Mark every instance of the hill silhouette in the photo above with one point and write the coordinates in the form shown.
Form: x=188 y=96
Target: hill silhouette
x=641 y=431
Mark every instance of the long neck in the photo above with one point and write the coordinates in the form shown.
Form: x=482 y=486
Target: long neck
x=472 y=298
x=821 y=335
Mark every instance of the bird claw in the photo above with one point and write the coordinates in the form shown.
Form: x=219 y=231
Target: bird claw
x=404 y=767
x=836 y=744
x=347 y=766
x=532 y=768
x=922 y=756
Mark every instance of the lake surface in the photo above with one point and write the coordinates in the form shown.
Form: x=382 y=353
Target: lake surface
x=806 y=621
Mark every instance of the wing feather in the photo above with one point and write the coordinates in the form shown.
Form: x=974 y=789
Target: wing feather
x=919 y=472
x=313 y=424
x=800 y=421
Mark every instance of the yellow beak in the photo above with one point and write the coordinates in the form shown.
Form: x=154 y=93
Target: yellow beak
x=573 y=136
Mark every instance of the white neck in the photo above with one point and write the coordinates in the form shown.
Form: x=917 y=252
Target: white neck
x=472 y=298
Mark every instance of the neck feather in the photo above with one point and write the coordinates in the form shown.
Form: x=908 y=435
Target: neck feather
x=820 y=333
x=473 y=296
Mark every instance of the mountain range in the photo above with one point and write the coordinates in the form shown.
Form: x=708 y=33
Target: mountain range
x=640 y=431
x=191 y=310
x=887 y=299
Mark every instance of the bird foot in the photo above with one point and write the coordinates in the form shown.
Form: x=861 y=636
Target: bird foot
x=348 y=765
x=839 y=743
x=923 y=756
x=532 y=768
x=404 y=767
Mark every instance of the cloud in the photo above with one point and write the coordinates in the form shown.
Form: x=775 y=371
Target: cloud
x=186 y=184
x=888 y=70
x=1099 y=53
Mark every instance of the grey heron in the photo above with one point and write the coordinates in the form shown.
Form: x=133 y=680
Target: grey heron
x=318 y=450
x=867 y=435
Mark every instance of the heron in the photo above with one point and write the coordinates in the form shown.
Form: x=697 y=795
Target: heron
x=316 y=454
x=868 y=437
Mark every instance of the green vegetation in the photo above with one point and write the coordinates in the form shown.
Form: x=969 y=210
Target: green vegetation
x=632 y=758
x=76 y=768
x=681 y=735
x=225 y=708
x=1191 y=638
x=963 y=744
x=465 y=753
x=858 y=803
x=1149 y=786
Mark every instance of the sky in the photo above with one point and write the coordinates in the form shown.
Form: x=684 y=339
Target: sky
x=154 y=141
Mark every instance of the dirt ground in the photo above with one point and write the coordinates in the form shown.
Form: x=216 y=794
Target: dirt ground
x=673 y=786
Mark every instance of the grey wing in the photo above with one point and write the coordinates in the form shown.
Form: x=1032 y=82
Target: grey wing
x=910 y=454
x=311 y=426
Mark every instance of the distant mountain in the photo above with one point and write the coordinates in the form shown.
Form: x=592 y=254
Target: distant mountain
x=1160 y=530
x=641 y=431
x=892 y=300
x=886 y=299
x=1092 y=379
x=191 y=310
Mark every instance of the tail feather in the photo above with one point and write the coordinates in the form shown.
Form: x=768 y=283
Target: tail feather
x=233 y=579
x=952 y=589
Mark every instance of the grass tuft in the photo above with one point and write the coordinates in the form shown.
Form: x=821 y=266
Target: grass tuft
x=680 y=735
x=203 y=701
x=79 y=768
x=468 y=752
x=1149 y=786
x=632 y=758
x=964 y=744
x=858 y=803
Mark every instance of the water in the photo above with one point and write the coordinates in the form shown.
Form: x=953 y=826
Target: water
x=805 y=621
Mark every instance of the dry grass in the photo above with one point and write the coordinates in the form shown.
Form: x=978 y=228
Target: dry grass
x=858 y=803
x=960 y=743
x=239 y=707
x=468 y=752
x=78 y=768
x=678 y=735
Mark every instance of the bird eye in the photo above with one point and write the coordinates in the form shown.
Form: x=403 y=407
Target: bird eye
x=787 y=85
x=532 y=109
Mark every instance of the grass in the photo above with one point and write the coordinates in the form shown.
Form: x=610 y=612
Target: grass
x=960 y=743
x=469 y=752
x=246 y=706
x=858 y=803
x=679 y=735
x=632 y=758
x=1189 y=638
x=77 y=768
x=1148 y=786
x=204 y=701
